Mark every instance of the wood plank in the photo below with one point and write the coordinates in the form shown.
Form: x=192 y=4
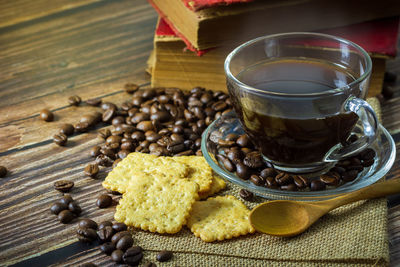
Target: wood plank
x=51 y=59
x=19 y=11
x=30 y=131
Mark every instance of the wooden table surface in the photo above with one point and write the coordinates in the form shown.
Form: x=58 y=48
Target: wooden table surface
x=50 y=50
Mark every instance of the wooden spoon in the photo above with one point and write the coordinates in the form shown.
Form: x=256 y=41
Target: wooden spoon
x=290 y=218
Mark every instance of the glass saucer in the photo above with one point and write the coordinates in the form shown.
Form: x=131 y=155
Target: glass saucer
x=385 y=155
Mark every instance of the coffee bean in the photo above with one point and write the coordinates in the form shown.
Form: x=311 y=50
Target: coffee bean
x=289 y=187
x=133 y=255
x=150 y=264
x=330 y=178
x=94 y=151
x=227 y=163
x=119 y=227
x=268 y=172
x=87 y=223
x=103 y=160
x=257 y=180
x=74 y=100
x=124 y=242
x=57 y=207
x=74 y=207
x=60 y=139
x=104 y=201
x=67 y=129
x=65 y=216
x=113 y=139
x=317 y=185
x=116 y=237
x=367 y=163
x=242 y=171
x=90 y=119
x=87 y=235
x=349 y=176
x=94 y=102
x=3 y=171
x=271 y=183
x=105 y=233
x=368 y=154
x=104 y=224
x=91 y=170
x=243 y=140
x=339 y=170
x=46 y=115
x=63 y=185
x=145 y=126
x=300 y=181
x=66 y=199
x=253 y=160
x=246 y=195
x=107 y=248
x=225 y=143
x=82 y=127
x=235 y=155
x=283 y=178
x=358 y=167
x=164 y=255
x=107 y=152
x=109 y=114
x=130 y=88
x=104 y=133
x=116 y=256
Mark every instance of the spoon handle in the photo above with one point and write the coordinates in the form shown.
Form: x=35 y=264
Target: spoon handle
x=377 y=190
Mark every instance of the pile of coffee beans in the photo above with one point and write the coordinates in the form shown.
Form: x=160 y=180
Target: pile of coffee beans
x=66 y=209
x=116 y=240
x=160 y=121
x=236 y=153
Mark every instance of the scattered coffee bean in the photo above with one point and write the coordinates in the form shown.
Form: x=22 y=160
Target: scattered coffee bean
x=95 y=151
x=91 y=170
x=317 y=185
x=65 y=216
x=46 y=115
x=116 y=256
x=105 y=233
x=107 y=248
x=246 y=195
x=87 y=223
x=104 y=201
x=164 y=255
x=74 y=207
x=60 y=139
x=116 y=237
x=74 y=100
x=130 y=88
x=67 y=129
x=63 y=185
x=82 y=127
x=133 y=256
x=104 y=224
x=119 y=227
x=87 y=235
x=94 y=102
x=66 y=199
x=57 y=207
x=3 y=171
x=124 y=242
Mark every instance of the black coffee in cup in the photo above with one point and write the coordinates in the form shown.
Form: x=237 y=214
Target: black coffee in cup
x=300 y=131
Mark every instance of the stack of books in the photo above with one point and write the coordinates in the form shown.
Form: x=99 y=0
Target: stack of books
x=193 y=37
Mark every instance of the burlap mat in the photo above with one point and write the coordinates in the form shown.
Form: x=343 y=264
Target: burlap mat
x=352 y=235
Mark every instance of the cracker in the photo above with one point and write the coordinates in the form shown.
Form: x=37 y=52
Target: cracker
x=138 y=163
x=219 y=218
x=199 y=171
x=217 y=185
x=157 y=203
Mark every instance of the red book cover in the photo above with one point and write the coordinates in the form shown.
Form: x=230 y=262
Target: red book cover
x=376 y=37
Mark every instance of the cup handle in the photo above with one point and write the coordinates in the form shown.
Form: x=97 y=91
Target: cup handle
x=370 y=124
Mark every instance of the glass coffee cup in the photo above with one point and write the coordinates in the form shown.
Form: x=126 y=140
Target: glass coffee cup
x=299 y=95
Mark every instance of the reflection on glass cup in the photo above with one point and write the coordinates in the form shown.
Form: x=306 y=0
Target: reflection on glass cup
x=299 y=96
